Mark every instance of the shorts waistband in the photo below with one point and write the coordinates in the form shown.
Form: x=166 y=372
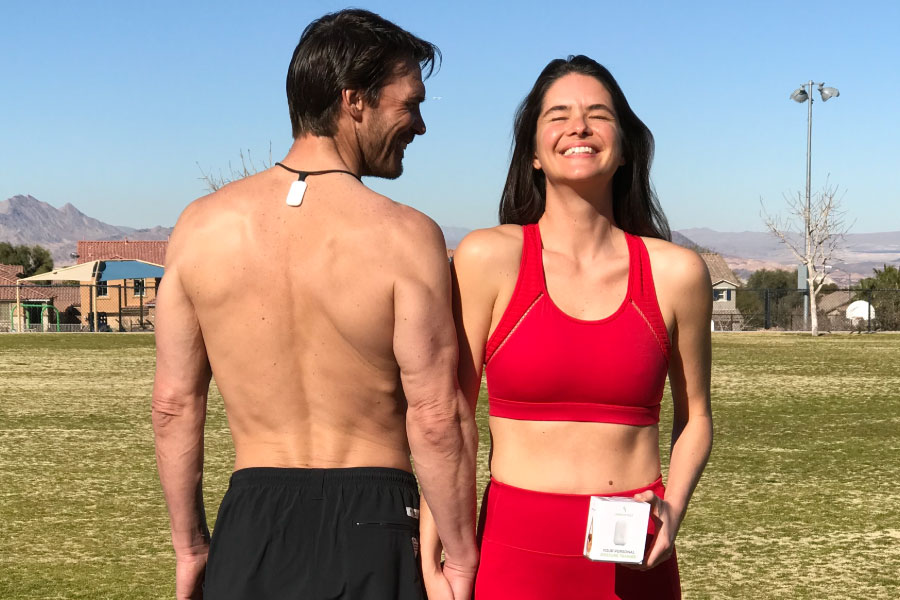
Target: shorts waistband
x=304 y=477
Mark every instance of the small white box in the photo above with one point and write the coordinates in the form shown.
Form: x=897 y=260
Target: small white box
x=616 y=529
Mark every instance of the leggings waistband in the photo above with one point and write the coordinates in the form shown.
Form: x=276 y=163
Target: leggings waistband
x=545 y=522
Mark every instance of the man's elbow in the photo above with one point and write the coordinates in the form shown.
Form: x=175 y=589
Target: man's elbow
x=168 y=409
x=437 y=429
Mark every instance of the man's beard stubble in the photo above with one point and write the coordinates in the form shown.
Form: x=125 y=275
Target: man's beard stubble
x=378 y=160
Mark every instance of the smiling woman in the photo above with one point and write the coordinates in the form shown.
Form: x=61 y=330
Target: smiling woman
x=635 y=206
x=577 y=308
x=581 y=104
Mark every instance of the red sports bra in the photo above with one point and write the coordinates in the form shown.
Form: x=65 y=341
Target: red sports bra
x=544 y=365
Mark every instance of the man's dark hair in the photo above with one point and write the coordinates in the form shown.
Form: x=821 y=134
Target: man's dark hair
x=350 y=49
x=635 y=206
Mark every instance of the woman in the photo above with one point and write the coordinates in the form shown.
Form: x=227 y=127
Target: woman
x=578 y=308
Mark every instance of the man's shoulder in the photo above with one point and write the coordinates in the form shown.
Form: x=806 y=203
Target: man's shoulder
x=202 y=223
x=407 y=227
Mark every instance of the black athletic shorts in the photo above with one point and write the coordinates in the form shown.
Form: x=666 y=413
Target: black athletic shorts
x=316 y=534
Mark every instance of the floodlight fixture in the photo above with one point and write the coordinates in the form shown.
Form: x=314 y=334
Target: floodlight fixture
x=828 y=92
x=799 y=95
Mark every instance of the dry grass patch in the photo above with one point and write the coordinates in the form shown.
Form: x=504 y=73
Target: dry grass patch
x=798 y=500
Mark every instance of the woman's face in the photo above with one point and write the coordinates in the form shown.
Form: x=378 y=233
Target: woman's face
x=577 y=135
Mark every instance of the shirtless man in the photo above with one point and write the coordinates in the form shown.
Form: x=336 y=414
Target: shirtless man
x=328 y=328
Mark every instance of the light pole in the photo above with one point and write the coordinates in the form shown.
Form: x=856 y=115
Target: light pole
x=804 y=94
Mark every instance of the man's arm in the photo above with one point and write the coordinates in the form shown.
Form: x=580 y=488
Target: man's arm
x=440 y=423
x=474 y=292
x=179 y=414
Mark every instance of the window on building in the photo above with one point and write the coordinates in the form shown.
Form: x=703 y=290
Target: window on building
x=102 y=289
x=721 y=295
x=138 y=287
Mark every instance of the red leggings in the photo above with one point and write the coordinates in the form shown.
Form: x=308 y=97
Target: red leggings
x=532 y=544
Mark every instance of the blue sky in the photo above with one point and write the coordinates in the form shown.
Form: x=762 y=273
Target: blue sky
x=112 y=106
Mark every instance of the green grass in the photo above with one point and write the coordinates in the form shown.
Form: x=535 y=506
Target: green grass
x=798 y=500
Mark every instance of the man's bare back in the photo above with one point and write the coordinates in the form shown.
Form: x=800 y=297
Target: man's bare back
x=296 y=307
x=328 y=329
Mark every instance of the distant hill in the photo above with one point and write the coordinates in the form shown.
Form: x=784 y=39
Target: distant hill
x=454 y=235
x=27 y=220
x=748 y=251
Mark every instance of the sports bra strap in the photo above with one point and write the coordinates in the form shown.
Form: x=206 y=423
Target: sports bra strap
x=529 y=287
x=643 y=292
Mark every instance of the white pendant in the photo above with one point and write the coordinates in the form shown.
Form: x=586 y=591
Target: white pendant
x=295 y=194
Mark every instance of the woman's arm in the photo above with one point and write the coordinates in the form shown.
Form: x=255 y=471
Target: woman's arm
x=685 y=284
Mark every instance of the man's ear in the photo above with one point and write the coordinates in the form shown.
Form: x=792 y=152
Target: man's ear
x=353 y=102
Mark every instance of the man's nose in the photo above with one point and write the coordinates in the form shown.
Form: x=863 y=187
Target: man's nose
x=419 y=125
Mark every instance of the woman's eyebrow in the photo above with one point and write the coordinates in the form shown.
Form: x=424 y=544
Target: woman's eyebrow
x=557 y=108
x=602 y=107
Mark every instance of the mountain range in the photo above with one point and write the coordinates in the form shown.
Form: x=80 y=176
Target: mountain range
x=27 y=220
x=747 y=251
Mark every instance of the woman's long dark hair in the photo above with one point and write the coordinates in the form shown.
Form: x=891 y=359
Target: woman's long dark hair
x=635 y=206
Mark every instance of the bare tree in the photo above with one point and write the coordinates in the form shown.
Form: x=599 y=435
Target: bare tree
x=823 y=227
x=214 y=182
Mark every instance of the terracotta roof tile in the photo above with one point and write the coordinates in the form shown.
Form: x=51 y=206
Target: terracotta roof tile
x=63 y=296
x=718 y=269
x=8 y=291
x=11 y=271
x=149 y=251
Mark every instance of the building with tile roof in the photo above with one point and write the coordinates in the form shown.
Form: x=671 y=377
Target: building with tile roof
x=726 y=316
x=123 y=304
x=147 y=251
x=46 y=306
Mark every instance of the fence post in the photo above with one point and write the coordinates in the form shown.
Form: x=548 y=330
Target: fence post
x=768 y=322
x=869 y=309
x=141 y=317
x=94 y=306
x=119 y=287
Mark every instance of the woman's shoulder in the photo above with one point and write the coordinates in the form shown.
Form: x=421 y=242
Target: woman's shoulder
x=675 y=267
x=492 y=246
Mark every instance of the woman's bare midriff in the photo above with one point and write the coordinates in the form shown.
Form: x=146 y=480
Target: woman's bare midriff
x=572 y=457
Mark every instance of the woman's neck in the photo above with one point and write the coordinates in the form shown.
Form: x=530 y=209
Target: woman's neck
x=578 y=224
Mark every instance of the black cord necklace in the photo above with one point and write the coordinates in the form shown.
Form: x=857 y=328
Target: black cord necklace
x=304 y=174
x=298 y=188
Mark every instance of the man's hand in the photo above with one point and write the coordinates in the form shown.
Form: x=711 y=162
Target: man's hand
x=189 y=573
x=443 y=582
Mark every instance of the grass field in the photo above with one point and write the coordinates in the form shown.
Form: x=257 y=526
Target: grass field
x=798 y=500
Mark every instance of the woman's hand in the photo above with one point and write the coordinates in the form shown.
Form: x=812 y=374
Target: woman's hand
x=667 y=522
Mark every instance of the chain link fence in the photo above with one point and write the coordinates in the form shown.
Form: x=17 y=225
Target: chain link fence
x=837 y=310
x=128 y=305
